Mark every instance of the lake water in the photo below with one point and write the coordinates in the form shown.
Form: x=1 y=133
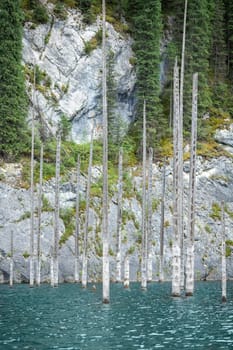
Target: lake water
x=69 y=317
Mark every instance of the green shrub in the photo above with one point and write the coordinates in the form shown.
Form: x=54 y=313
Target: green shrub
x=215 y=212
x=93 y=43
x=60 y=11
x=40 y=14
x=26 y=255
x=46 y=206
x=68 y=216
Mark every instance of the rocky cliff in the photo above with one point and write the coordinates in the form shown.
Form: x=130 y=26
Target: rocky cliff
x=214 y=184
x=68 y=57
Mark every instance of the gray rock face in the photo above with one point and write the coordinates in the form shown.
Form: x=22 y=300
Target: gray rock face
x=74 y=76
x=214 y=184
x=225 y=137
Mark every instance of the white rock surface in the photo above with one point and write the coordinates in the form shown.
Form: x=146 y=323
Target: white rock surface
x=75 y=91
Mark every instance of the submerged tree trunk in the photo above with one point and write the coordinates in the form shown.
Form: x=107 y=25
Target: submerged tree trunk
x=180 y=143
x=38 y=265
x=176 y=263
x=85 y=239
x=144 y=207
x=149 y=218
x=106 y=277
x=76 y=253
x=189 y=283
x=224 y=270
x=126 y=271
x=31 y=259
x=12 y=260
x=56 y=214
x=119 y=217
x=161 y=265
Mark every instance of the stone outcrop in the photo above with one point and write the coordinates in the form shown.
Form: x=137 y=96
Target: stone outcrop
x=69 y=55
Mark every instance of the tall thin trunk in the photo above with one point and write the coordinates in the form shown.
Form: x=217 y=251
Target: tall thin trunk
x=84 y=264
x=144 y=207
x=106 y=276
x=189 y=283
x=126 y=271
x=56 y=213
x=180 y=142
x=119 y=217
x=12 y=260
x=149 y=218
x=38 y=277
x=76 y=257
x=31 y=260
x=161 y=265
x=176 y=264
x=224 y=270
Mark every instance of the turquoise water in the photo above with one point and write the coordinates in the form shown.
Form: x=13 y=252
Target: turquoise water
x=68 y=317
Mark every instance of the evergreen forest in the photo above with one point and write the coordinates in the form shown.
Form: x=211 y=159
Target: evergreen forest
x=156 y=27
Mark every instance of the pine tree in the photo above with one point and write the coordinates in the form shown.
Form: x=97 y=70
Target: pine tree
x=198 y=50
x=13 y=105
x=146 y=19
x=229 y=21
x=219 y=50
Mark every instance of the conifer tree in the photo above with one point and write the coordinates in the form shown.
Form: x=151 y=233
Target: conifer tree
x=198 y=48
x=13 y=105
x=229 y=21
x=146 y=18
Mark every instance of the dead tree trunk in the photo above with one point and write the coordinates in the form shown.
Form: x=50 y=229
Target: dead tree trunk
x=180 y=142
x=224 y=270
x=76 y=257
x=85 y=239
x=56 y=214
x=189 y=281
x=126 y=271
x=38 y=277
x=106 y=277
x=176 y=264
x=149 y=218
x=12 y=260
x=31 y=260
x=144 y=208
x=119 y=217
x=161 y=265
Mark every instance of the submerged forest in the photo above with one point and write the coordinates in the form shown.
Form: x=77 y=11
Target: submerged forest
x=116 y=174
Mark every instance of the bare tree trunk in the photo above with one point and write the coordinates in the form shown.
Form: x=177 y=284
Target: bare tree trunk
x=119 y=217
x=84 y=265
x=76 y=258
x=224 y=270
x=126 y=271
x=189 y=283
x=149 y=218
x=31 y=260
x=56 y=213
x=106 y=277
x=144 y=207
x=12 y=261
x=176 y=264
x=38 y=277
x=180 y=146
x=161 y=265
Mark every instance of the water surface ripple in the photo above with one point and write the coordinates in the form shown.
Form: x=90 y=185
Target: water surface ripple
x=71 y=318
